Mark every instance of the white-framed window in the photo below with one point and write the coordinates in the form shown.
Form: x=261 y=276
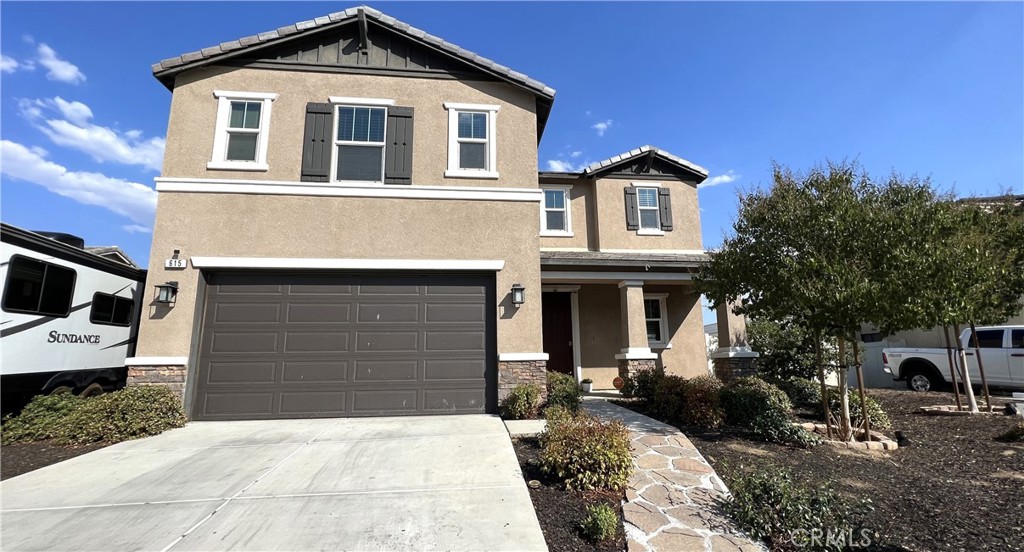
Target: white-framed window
x=556 y=212
x=648 y=210
x=472 y=140
x=656 y=318
x=242 y=131
x=359 y=141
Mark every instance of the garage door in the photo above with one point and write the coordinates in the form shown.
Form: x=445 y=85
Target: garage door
x=323 y=345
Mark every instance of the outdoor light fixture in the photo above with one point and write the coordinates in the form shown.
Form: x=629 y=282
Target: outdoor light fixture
x=167 y=292
x=518 y=294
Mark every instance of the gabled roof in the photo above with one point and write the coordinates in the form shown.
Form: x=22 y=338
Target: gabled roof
x=166 y=69
x=111 y=252
x=632 y=154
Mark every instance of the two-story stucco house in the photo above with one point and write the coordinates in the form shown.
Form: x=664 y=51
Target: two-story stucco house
x=351 y=222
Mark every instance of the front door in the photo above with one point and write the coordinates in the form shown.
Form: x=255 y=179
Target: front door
x=556 y=316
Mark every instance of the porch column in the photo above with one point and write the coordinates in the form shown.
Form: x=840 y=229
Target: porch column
x=733 y=358
x=635 y=353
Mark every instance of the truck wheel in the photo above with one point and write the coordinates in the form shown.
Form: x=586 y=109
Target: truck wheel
x=91 y=390
x=921 y=380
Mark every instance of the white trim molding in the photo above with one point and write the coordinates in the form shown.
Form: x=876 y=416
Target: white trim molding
x=636 y=353
x=521 y=357
x=218 y=159
x=276 y=187
x=360 y=101
x=566 y=209
x=156 y=361
x=735 y=352
x=453 y=170
x=347 y=264
x=558 y=276
x=631 y=283
x=652 y=251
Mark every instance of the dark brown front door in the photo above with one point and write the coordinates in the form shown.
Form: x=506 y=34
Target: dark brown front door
x=293 y=345
x=556 y=316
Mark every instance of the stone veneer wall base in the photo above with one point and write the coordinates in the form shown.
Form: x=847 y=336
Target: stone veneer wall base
x=172 y=377
x=629 y=367
x=515 y=372
x=730 y=368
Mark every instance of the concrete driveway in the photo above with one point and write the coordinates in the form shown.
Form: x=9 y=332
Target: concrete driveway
x=422 y=483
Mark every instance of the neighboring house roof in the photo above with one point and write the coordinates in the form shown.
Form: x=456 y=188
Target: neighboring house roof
x=111 y=252
x=600 y=166
x=168 y=68
x=661 y=260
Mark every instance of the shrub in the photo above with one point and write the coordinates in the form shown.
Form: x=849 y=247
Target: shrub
x=556 y=414
x=601 y=523
x=879 y=419
x=769 y=505
x=42 y=418
x=643 y=384
x=1015 y=434
x=786 y=348
x=669 y=400
x=586 y=453
x=702 y=403
x=521 y=402
x=801 y=392
x=563 y=391
x=763 y=408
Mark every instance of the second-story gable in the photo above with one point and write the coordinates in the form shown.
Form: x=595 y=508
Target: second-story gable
x=352 y=98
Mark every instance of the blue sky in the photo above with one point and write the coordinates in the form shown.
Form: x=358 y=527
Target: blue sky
x=935 y=89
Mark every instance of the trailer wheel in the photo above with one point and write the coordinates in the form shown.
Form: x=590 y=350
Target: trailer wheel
x=91 y=390
x=921 y=380
x=62 y=389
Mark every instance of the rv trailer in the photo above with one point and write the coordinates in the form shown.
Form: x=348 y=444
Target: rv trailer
x=69 y=317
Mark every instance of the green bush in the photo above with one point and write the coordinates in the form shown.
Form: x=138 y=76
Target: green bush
x=763 y=408
x=1015 y=434
x=669 y=399
x=564 y=391
x=879 y=419
x=601 y=523
x=557 y=413
x=521 y=402
x=786 y=349
x=702 y=402
x=43 y=418
x=586 y=453
x=643 y=384
x=770 y=506
x=801 y=392
x=130 y=413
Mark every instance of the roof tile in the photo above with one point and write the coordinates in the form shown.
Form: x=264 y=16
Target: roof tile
x=287 y=30
x=269 y=35
x=211 y=51
x=303 y=25
x=228 y=46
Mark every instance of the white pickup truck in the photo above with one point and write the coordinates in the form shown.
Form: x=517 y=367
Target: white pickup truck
x=1002 y=355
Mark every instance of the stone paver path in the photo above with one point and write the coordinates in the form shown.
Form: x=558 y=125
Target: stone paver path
x=671 y=501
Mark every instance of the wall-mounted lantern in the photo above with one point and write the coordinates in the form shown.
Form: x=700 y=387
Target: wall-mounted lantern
x=167 y=293
x=518 y=294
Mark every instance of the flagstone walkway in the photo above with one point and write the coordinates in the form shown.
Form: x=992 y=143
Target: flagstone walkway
x=671 y=501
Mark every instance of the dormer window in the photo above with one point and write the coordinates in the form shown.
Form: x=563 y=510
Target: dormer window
x=472 y=144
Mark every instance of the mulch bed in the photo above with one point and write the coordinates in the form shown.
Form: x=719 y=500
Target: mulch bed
x=22 y=458
x=561 y=511
x=954 y=488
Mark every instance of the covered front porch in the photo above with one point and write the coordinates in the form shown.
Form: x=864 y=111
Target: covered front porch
x=606 y=315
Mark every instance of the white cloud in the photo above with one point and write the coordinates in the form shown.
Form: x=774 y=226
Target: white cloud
x=8 y=64
x=575 y=154
x=561 y=165
x=130 y=199
x=58 y=69
x=102 y=143
x=726 y=178
x=602 y=126
x=137 y=229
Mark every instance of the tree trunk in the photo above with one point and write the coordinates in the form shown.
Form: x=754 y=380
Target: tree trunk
x=844 y=393
x=968 y=388
x=952 y=371
x=981 y=367
x=860 y=389
x=825 y=411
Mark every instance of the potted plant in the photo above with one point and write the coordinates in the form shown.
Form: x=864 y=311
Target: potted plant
x=587 y=383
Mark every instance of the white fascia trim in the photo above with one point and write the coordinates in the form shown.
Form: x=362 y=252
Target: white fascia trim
x=652 y=251
x=636 y=353
x=646 y=184
x=348 y=100
x=734 y=352
x=631 y=283
x=471 y=107
x=245 y=95
x=521 y=357
x=238 y=166
x=156 y=361
x=268 y=187
x=617 y=276
x=470 y=173
x=347 y=264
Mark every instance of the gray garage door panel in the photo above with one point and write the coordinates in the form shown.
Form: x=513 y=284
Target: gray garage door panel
x=321 y=345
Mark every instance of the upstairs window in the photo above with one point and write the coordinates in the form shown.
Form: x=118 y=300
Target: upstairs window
x=472 y=148
x=243 y=128
x=111 y=310
x=648 y=209
x=38 y=287
x=647 y=205
x=555 y=217
x=359 y=143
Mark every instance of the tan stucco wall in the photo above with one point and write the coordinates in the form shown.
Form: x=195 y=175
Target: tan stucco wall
x=611 y=218
x=194 y=109
x=237 y=225
x=600 y=332
x=584 y=223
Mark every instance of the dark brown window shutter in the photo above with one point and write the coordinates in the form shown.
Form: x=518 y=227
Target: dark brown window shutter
x=665 y=206
x=398 y=151
x=316 y=143
x=632 y=215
